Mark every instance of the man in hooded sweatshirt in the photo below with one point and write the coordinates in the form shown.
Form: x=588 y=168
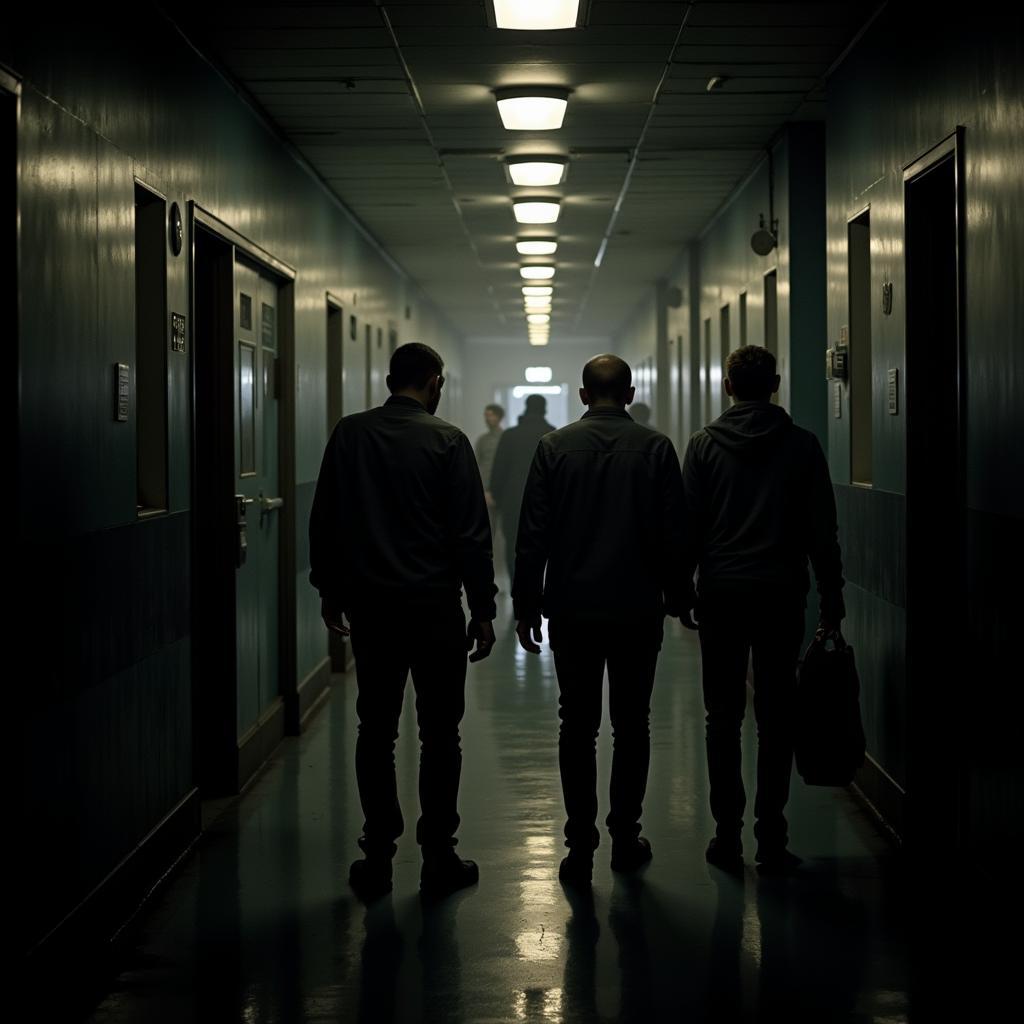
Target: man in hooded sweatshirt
x=511 y=467
x=759 y=505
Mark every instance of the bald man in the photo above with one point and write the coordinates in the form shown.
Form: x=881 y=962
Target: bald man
x=602 y=514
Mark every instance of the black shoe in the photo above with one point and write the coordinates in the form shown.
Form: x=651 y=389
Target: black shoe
x=631 y=854
x=446 y=874
x=370 y=878
x=778 y=861
x=726 y=854
x=577 y=868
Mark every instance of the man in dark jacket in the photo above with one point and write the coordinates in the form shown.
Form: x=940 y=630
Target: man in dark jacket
x=512 y=466
x=602 y=512
x=398 y=526
x=759 y=505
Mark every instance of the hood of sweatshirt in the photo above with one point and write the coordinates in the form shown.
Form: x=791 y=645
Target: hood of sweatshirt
x=750 y=428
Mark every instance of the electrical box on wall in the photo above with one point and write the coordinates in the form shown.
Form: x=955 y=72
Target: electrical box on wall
x=837 y=363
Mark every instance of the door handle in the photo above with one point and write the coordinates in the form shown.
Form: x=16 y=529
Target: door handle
x=270 y=504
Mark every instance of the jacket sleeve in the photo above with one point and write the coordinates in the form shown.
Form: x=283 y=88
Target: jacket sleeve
x=532 y=541
x=694 y=517
x=470 y=530
x=824 y=552
x=327 y=569
x=677 y=586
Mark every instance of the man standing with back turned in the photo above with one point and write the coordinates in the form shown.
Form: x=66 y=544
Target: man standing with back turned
x=603 y=512
x=759 y=505
x=398 y=525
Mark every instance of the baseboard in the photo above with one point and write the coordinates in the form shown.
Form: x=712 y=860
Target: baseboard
x=260 y=742
x=88 y=931
x=883 y=797
x=312 y=692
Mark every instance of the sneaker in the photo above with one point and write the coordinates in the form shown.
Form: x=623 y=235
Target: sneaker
x=371 y=877
x=446 y=874
x=777 y=861
x=631 y=854
x=577 y=868
x=725 y=853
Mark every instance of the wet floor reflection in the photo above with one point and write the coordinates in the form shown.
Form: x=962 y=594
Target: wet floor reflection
x=260 y=925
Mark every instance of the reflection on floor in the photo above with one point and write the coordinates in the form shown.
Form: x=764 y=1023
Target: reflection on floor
x=261 y=926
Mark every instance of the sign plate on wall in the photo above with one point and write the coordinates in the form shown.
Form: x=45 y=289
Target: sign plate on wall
x=894 y=392
x=837 y=401
x=177 y=332
x=122 y=391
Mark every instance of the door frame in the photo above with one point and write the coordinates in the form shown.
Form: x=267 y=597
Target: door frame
x=225 y=762
x=924 y=761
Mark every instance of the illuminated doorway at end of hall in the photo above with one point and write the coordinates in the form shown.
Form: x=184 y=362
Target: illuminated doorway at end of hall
x=563 y=402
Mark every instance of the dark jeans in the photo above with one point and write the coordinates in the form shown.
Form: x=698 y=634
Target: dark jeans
x=431 y=644
x=771 y=626
x=582 y=650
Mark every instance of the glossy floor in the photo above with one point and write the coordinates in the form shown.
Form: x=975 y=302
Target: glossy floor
x=261 y=926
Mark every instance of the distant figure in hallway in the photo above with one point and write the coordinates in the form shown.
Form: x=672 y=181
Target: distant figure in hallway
x=512 y=466
x=486 y=448
x=641 y=412
x=602 y=513
x=398 y=526
x=759 y=505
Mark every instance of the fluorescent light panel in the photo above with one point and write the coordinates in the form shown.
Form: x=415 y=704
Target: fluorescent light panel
x=537 y=289
x=535 y=211
x=538 y=318
x=532 y=109
x=536 y=171
x=536 y=246
x=536 y=15
x=539 y=374
x=536 y=273
x=539 y=341
x=536 y=300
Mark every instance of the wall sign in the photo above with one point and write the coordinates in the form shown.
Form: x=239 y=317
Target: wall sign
x=122 y=391
x=177 y=332
x=894 y=392
x=837 y=401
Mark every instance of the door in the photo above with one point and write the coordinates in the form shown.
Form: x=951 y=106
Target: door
x=936 y=506
x=354 y=371
x=335 y=365
x=257 y=494
x=379 y=361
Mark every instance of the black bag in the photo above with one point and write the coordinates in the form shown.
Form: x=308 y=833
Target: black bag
x=828 y=738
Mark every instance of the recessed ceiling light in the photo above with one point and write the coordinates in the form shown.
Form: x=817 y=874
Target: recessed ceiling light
x=536 y=246
x=538 y=318
x=532 y=109
x=536 y=170
x=537 y=289
x=537 y=302
x=539 y=374
x=538 y=341
x=536 y=273
x=536 y=15
x=535 y=211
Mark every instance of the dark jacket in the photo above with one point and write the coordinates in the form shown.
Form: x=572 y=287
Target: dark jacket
x=399 y=516
x=512 y=462
x=759 y=505
x=603 y=511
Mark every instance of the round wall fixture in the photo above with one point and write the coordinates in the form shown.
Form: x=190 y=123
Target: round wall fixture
x=175 y=229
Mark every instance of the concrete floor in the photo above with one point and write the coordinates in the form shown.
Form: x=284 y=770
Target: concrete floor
x=260 y=924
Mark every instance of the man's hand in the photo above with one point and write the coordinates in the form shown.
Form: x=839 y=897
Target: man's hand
x=333 y=617
x=481 y=634
x=687 y=619
x=489 y=499
x=529 y=635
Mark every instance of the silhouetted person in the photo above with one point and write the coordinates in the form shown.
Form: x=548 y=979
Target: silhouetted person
x=512 y=466
x=602 y=513
x=398 y=525
x=641 y=412
x=759 y=505
x=486 y=448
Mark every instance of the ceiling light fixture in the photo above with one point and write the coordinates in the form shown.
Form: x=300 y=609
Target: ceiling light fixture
x=536 y=273
x=536 y=171
x=536 y=15
x=538 y=318
x=537 y=289
x=531 y=108
x=539 y=374
x=539 y=342
x=536 y=246
x=536 y=211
